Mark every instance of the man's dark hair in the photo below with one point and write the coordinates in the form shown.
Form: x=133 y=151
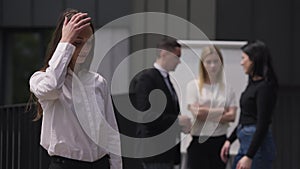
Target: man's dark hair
x=168 y=44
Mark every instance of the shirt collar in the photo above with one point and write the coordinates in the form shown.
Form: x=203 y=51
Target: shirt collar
x=162 y=71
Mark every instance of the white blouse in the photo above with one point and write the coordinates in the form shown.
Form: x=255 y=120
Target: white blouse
x=212 y=96
x=78 y=117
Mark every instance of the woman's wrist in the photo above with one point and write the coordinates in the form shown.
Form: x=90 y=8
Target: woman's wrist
x=65 y=40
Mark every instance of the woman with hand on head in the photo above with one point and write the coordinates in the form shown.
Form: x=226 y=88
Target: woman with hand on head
x=257 y=103
x=213 y=105
x=71 y=121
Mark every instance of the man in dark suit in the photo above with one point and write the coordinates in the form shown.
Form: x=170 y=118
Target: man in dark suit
x=161 y=110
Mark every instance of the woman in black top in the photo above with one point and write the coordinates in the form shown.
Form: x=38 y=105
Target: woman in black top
x=257 y=102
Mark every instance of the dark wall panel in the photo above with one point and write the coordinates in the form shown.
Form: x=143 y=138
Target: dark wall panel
x=286 y=128
x=17 y=13
x=202 y=14
x=295 y=41
x=270 y=21
x=111 y=10
x=88 y=6
x=46 y=13
x=182 y=12
x=1 y=12
x=234 y=20
x=1 y=70
x=156 y=5
x=178 y=8
x=155 y=24
x=138 y=42
x=139 y=6
x=272 y=24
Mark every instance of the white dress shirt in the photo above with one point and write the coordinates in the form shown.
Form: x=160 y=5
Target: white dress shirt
x=164 y=73
x=78 y=118
x=213 y=97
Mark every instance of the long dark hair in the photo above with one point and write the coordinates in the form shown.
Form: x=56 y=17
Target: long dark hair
x=56 y=36
x=260 y=55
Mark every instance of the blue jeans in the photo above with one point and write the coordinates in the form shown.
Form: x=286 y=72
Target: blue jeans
x=265 y=154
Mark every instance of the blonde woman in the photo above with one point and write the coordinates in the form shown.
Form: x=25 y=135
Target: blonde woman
x=213 y=105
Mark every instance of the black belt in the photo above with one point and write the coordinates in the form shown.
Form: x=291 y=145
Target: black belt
x=209 y=137
x=80 y=164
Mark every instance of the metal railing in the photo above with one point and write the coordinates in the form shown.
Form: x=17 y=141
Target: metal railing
x=19 y=139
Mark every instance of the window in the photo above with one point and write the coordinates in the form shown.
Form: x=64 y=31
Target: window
x=23 y=53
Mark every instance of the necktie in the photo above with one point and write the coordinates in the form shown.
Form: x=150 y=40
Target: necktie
x=172 y=90
x=173 y=93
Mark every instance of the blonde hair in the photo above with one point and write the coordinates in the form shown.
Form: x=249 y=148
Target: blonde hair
x=203 y=75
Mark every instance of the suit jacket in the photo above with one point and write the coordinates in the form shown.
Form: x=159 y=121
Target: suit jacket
x=141 y=86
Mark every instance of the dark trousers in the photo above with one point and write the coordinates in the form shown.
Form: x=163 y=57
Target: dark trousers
x=206 y=155
x=158 y=165
x=58 y=162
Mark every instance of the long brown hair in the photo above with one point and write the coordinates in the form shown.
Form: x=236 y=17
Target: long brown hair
x=56 y=36
x=203 y=75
